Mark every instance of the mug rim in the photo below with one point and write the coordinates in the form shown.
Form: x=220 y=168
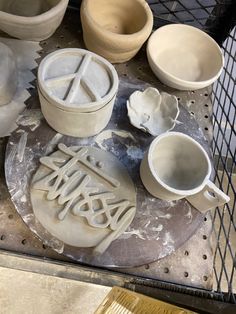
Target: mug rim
x=166 y=186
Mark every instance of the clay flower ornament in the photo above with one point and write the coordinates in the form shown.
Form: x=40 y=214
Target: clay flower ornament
x=153 y=112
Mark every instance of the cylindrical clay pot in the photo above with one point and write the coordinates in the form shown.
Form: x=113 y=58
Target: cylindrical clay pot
x=115 y=29
x=175 y=167
x=77 y=91
x=31 y=19
x=77 y=124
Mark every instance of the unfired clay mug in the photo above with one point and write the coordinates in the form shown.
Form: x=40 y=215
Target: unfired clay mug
x=176 y=167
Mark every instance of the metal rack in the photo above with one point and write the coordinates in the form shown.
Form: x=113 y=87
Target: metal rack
x=217 y=18
x=224 y=148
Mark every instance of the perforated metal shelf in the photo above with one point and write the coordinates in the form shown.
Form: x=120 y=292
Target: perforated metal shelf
x=192 y=264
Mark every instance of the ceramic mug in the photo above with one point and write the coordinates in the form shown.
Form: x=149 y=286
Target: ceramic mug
x=176 y=167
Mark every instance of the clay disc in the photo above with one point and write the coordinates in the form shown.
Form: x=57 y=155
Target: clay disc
x=77 y=193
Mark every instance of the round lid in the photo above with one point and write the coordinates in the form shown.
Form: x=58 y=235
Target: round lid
x=77 y=80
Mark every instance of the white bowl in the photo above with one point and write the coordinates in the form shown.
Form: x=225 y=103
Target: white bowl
x=184 y=57
x=31 y=19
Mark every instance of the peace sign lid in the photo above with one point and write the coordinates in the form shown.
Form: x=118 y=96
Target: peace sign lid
x=77 y=80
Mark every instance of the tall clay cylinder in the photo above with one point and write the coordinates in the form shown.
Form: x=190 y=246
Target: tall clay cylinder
x=115 y=29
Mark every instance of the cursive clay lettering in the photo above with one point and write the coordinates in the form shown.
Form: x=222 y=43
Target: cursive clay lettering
x=73 y=191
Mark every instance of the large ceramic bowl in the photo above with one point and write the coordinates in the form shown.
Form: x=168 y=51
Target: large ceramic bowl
x=31 y=19
x=115 y=29
x=184 y=57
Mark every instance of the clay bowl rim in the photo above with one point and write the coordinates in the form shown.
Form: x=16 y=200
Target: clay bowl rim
x=163 y=184
x=28 y=20
x=176 y=79
x=58 y=103
x=147 y=28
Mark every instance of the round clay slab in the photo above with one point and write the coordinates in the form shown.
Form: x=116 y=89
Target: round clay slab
x=83 y=196
x=77 y=80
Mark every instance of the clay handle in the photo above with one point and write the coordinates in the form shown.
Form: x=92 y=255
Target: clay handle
x=210 y=197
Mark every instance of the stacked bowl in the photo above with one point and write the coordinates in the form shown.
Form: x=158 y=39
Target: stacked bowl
x=31 y=20
x=77 y=91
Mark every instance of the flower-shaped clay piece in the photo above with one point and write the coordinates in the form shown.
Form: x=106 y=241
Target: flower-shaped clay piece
x=153 y=112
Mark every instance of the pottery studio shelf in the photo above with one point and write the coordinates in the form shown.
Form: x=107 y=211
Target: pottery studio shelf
x=190 y=265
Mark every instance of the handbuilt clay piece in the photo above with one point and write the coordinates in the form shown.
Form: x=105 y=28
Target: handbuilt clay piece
x=176 y=167
x=31 y=20
x=184 y=57
x=110 y=29
x=8 y=75
x=79 y=88
x=153 y=112
x=83 y=196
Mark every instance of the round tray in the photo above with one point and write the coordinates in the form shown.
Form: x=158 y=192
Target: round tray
x=159 y=227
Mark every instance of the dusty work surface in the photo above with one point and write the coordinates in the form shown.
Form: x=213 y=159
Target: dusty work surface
x=192 y=263
x=158 y=228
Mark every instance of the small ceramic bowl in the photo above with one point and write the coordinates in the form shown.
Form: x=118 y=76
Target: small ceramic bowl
x=115 y=29
x=184 y=57
x=153 y=112
x=31 y=20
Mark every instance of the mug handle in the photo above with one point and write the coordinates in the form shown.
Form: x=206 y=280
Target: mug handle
x=210 y=197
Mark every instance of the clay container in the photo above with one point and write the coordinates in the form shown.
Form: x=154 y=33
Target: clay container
x=153 y=112
x=184 y=57
x=77 y=91
x=115 y=29
x=77 y=124
x=176 y=167
x=31 y=20
x=8 y=75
